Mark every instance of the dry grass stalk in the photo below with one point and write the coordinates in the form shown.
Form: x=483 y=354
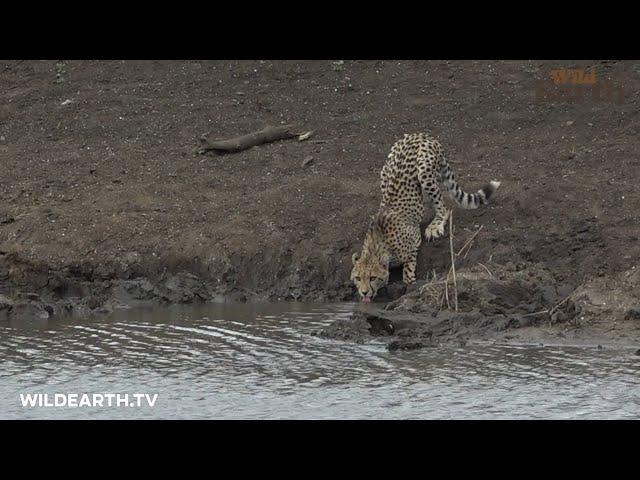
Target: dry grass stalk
x=468 y=243
x=488 y=271
x=453 y=262
x=433 y=292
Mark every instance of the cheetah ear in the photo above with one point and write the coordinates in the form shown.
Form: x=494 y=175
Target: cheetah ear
x=355 y=257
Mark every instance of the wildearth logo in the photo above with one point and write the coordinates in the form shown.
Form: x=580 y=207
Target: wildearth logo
x=577 y=85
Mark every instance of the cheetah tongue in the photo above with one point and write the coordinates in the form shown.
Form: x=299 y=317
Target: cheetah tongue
x=366 y=299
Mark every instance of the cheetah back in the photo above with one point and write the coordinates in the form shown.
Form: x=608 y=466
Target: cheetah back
x=399 y=183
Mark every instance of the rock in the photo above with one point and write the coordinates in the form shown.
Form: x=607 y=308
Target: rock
x=558 y=316
x=307 y=161
x=237 y=296
x=23 y=312
x=355 y=329
x=93 y=302
x=632 y=314
x=396 y=345
x=6 y=304
x=184 y=288
x=5 y=219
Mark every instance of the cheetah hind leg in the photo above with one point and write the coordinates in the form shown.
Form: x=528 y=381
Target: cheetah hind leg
x=431 y=190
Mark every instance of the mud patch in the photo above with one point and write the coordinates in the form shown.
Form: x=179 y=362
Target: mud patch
x=492 y=300
x=410 y=331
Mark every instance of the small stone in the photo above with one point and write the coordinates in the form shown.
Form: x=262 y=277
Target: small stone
x=2 y=139
x=93 y=303
x=5 y=302
x=6 y=219
x=569 y=123
x=66 y=102
x=307 y=161
x=632 y=314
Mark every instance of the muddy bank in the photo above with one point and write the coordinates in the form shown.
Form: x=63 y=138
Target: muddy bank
x=503 y=305
x=32 y=293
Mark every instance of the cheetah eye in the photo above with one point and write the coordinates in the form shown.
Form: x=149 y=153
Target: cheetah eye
x=357 y=279
x=373 y=279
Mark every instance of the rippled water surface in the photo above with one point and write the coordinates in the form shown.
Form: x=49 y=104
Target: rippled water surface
x=262 y=361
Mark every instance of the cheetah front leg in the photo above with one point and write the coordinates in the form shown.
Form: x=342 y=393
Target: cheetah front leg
x=407 y=246
x=436 y=228
x=430 y=188
x=409 y=269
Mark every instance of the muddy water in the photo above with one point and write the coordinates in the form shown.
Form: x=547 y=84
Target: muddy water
x=262 y=361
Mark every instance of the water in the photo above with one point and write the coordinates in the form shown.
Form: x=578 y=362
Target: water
x=261 y=362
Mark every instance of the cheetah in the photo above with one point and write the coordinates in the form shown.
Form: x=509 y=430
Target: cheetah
x=416 y=167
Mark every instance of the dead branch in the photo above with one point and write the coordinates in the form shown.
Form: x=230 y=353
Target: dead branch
x=244 y=142
x=558 y=304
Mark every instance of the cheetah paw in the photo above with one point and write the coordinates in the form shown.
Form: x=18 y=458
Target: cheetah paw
x=433 y=232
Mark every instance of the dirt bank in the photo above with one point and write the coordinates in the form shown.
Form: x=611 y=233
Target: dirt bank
x=103 y=201
x=506 y=305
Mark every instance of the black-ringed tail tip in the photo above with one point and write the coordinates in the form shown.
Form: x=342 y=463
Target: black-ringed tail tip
x=487 y=191
x=471 y=200
x=492 y=187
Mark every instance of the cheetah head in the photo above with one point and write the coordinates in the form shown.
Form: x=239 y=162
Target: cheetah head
x=369 y=274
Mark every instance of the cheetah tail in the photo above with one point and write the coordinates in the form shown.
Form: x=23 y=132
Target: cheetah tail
x=471 y=200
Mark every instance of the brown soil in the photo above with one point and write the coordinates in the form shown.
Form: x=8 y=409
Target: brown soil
x=103 y=199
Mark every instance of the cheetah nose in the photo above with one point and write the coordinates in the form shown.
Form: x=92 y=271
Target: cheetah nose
x=364 y=294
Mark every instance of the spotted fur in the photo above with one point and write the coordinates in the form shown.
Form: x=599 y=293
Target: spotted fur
x=415 y=168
